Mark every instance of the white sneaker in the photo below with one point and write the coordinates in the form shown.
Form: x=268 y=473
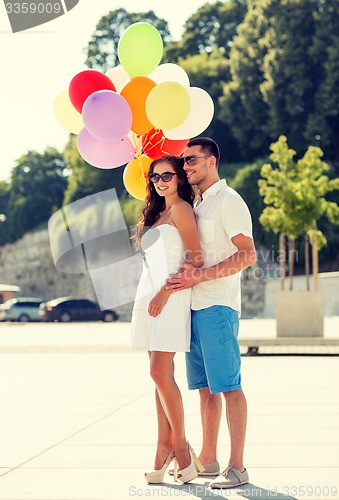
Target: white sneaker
x=230 y=478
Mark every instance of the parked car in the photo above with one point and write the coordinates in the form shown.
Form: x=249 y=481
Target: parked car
x=67 y=309
x=21 y=309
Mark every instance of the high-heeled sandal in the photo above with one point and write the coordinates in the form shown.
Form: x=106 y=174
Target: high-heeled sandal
x=190 y=472
x=157 y=476
x=196 y=460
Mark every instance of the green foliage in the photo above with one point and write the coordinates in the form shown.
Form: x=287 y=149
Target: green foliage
x=323 y=122
x=102 y=50
x=229 y=170
x=294 y=192
x=131 y=209
x=5 y=189
x=245 y=181
x=285 y=77
x=37 y=189
x=242 y=107
x=210 y=72
x=212 y=26
x=290 y=75
x=207 y=71
x=4 y=198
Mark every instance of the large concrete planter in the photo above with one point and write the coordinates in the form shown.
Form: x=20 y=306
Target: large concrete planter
x=299 y=314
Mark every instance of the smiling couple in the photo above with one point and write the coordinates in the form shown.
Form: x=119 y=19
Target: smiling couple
x=188 y=300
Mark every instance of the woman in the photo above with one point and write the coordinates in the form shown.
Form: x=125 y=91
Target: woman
x=168 y=235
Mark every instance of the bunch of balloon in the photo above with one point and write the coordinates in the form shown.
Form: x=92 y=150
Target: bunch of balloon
x=166 y=110
x=92 y=108
x=137 y=111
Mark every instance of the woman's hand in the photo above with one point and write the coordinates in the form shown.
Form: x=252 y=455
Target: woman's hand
x=158 y=302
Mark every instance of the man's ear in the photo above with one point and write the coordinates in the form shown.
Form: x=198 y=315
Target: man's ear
x=212 y=161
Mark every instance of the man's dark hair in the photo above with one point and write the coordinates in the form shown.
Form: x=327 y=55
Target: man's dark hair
x=207 y=144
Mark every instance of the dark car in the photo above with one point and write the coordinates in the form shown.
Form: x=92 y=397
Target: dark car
x=21 y=309
x=67 y=309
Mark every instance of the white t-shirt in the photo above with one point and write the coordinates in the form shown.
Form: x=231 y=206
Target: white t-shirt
x=221 y=215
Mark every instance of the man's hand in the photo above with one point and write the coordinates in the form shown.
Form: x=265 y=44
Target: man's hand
x=189 y=276
x=186 y=277
x=158 y=302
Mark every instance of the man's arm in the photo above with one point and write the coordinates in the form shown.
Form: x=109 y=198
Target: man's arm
x=243 y=258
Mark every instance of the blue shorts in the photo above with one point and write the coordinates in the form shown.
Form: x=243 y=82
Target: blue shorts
x=214 y=358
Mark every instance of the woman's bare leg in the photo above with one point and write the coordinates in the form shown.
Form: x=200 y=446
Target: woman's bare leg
x=162 y=372
x=165 y=438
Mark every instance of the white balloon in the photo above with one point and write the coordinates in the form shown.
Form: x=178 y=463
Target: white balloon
x=170 y=72
x=118 y=76
x=199 y=118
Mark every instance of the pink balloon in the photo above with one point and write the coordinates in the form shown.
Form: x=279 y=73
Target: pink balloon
x=103 y=154
x=107 y=115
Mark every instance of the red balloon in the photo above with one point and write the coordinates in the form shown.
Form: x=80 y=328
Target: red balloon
x=155 y=145
x=85 y=83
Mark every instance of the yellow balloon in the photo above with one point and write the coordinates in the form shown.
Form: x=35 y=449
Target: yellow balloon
x=167 y=105
x=135 y=176
x=66 y=114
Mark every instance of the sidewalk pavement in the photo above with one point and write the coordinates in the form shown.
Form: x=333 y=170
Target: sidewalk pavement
x=77 y=420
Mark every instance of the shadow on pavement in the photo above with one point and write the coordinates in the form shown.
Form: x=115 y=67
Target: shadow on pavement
x=249 y=491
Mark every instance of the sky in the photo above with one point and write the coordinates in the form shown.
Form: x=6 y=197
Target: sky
x=37 y=64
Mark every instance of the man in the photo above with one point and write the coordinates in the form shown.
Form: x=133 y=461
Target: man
x=213 y=363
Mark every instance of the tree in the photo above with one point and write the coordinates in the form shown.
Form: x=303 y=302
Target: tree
x=290 y=75
x=242 y=107
x=4 y=198
x=212 y=26
x=85 y=179
x=102 y=49
x=323 y=123
x=245 y=178
x=210 y=72
x=37 y=188
x=285 y=77
x=295 y=197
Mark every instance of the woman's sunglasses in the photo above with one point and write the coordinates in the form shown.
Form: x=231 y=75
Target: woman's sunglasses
x=166 y=177
x=192 y=159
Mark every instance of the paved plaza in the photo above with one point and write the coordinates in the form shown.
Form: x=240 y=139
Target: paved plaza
x=77 y=419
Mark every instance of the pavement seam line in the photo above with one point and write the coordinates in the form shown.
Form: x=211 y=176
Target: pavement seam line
x=74 y=434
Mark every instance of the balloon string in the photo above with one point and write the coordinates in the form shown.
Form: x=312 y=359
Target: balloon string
x=132 y=149
x=160 y=142
x=142 y=173
x=137 y=144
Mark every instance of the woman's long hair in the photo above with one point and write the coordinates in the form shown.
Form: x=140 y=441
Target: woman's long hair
x=154 y=203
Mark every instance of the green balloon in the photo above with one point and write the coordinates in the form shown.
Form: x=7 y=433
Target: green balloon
x=140 y=49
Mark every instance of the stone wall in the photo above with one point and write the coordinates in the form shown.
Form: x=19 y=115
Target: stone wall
x=252 y=295
x=28 y=263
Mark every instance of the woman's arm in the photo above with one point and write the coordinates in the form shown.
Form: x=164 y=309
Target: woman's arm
x=184 y=220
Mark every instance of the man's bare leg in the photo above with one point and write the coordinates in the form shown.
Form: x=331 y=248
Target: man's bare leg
x=236 y=411
x=210 y=409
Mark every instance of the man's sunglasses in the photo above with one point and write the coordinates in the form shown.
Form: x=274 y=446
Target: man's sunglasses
x=166 y=177
x=192 y=159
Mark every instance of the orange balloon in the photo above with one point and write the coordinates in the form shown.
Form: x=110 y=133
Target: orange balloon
x=135 y=92
x=135 y=176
